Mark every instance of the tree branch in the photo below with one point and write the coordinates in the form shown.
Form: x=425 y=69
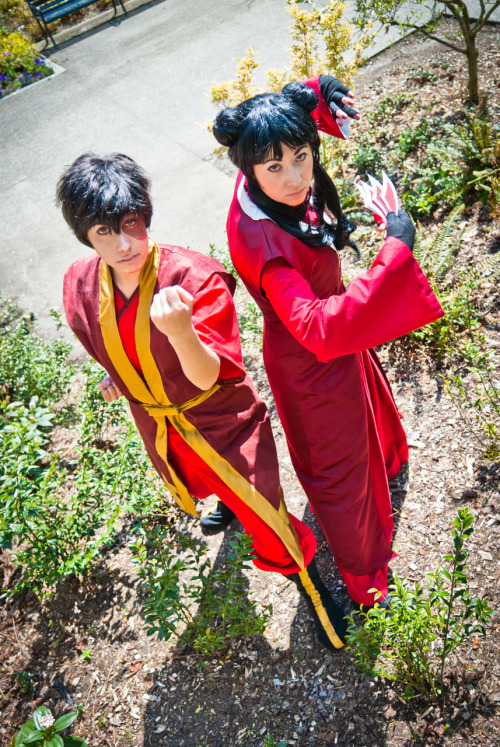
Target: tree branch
x=434 y=38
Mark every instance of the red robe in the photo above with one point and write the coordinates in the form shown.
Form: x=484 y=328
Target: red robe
x=226 y=430
x=334 y=401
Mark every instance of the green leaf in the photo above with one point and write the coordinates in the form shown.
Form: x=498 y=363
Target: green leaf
x=24 y=732
x=74 y=742
x=64 y=721
x=54 y=741
x=35 y=736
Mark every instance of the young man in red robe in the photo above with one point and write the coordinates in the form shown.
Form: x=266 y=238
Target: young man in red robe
x=161 y=320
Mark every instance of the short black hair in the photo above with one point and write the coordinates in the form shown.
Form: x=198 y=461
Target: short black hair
x=102 y=190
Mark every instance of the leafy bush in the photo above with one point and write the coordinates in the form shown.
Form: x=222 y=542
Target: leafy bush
x=20 y=64
x=44 y=729
x=212 y=604
x=476 y=394
x=28 y=366
x=56 y=520
x=367 y=157
x=455 y=291
x=224 y=258
x=412 y=642
x=391 y=104
x=251 y=323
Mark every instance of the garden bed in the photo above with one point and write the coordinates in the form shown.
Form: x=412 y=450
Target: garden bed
x=135 y=690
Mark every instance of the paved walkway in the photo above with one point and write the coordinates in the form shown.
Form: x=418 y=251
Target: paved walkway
x=138 y=86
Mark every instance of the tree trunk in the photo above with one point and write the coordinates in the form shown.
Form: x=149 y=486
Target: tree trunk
x=472 y=57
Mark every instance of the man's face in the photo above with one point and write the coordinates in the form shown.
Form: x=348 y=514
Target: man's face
x=125 y=252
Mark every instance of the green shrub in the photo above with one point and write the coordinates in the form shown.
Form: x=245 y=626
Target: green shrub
x=367 y=157
x=28 y=366
x=57 y=520
x=456 y=291
x=251 y=324
x=393 y=103
x=211 y=604
x=475 y=392
x=411 y=643
x=224 y=258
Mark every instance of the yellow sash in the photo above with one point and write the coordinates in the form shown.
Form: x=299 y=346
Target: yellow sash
x=151 y=395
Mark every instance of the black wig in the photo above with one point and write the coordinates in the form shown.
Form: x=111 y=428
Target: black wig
x=254 y=131
x=103 y=190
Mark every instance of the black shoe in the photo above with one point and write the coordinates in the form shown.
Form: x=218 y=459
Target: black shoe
x=217 y=520
x=329 y=617
x=385 y=603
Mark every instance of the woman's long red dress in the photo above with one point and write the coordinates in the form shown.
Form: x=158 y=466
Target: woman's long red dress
x=342 y=426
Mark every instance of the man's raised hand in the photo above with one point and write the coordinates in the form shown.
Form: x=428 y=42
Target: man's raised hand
x=171 y=311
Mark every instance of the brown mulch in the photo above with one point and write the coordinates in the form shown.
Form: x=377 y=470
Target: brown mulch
x=135 y=690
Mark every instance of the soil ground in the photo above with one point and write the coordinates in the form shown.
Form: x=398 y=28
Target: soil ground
x=135 y=690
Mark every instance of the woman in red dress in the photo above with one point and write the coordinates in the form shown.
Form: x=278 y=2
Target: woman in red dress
x=285 y=231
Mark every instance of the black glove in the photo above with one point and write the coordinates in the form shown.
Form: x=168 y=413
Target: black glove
x=333 y=91
x=401 y=227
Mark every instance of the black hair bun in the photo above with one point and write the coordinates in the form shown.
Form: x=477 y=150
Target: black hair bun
x=301 y=95
x=226 y=126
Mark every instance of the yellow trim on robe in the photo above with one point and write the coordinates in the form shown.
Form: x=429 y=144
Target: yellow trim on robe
x=313 y=593
x=151 y=394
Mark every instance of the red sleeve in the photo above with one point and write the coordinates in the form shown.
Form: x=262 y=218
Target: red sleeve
x=70 y=302
x=322 y=115
x=214 y=318
x=390 y=300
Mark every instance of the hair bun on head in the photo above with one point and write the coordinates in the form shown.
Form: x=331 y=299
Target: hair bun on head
x=226 y=126
x=301 y=95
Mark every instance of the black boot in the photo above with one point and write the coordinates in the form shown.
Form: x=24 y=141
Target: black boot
x=386 y=604
x=217 y=520
x=328 y=617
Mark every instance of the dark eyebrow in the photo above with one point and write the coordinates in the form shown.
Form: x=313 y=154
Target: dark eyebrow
x=276 y=158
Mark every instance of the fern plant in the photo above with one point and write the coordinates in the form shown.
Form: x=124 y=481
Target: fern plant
x=479 y=141
x=455 y=291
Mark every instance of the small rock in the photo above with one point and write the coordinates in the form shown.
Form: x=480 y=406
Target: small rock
x=485 y=555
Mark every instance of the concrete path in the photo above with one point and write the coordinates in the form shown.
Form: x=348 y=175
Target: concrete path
x=139 y=86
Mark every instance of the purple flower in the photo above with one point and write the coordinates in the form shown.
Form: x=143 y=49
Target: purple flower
x=5 y=54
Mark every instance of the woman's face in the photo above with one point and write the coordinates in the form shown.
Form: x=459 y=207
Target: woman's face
x=287 y=180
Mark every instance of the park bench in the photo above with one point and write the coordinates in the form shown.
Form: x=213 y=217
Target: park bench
x=46 y=11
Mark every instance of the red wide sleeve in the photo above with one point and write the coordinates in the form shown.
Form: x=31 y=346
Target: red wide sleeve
x=72 y=308
x=214 y=318
x=390 y=300
x=322 y=115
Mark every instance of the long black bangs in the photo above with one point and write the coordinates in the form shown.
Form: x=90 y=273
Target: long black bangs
x=267 y=128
